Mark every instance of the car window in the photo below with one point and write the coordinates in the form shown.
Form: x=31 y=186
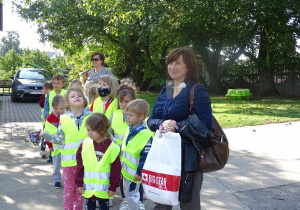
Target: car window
x=33 y=74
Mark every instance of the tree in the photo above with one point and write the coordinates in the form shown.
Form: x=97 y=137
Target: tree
x=39 y=58
x=10 y=63
x=11 y=41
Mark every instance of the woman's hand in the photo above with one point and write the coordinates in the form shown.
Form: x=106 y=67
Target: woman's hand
x=169 y=126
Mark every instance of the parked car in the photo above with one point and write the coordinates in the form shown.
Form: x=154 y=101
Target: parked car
x=28 y=83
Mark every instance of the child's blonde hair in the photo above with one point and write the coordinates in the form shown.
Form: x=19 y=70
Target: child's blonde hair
x=99 y=122
x=76 y=82
x=78 y=90
x=113 y=82
x=138 y=106
x=126 y=88
x=89 y=84
x=58 y=100
x=93 y=93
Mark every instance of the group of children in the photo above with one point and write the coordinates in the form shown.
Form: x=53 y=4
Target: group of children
x=100 y=139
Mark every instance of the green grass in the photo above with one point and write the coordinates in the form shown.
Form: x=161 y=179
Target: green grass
x=239 y=113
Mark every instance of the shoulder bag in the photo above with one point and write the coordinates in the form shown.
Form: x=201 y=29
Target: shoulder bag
x=215 y=157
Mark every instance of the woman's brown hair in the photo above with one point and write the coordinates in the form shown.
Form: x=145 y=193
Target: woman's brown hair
x=189 y=59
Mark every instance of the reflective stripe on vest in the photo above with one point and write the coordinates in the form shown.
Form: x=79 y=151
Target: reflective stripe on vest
x=131 y=153
x=52 y=94
x=96 y=174
x=49 y=128
x=98 y=107
x=119 y=126
x=42 y=116
x=73 y=137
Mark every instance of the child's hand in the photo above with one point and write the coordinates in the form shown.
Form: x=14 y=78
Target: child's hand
x=137 y=178
x=41 y=134
x=80 y=189
x=110 y=193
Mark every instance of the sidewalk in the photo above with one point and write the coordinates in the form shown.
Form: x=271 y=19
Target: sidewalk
x=262 y=171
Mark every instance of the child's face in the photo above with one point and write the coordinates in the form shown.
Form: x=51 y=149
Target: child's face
x=75 y=99
x=60 y=109
x=46 y=90
x=94 y=135
x=57 y=84
x=134 y=119
x=104 y=85
x=123 y=103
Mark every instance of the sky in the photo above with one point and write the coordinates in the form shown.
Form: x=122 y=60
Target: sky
x=27 y=31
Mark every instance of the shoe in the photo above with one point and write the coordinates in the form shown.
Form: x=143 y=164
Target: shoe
x=57 y=185
x=43 y=153
x=49 y=160
x=123 y=204
x=141 y=206
x=110 y=203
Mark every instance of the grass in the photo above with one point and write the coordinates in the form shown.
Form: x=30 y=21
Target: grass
x=239 y=113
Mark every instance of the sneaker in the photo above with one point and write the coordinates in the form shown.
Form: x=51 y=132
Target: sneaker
x=49 y=160
x=110 y=203
x=123 y=204
x=43 y=153
x=57 y=185
x=141 y=206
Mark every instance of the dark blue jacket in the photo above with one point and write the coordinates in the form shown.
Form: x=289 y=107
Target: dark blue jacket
x=178 y=108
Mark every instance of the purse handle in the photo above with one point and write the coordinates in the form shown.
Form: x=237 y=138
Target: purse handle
x=192 y=95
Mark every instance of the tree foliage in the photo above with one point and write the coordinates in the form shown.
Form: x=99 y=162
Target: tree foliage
x=11 y=41
x=10 y=63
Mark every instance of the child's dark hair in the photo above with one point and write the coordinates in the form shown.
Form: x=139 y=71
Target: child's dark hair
x=57 y=100
x=59 y=77
x=99 y=122
x=48 y=85
x=126 y=88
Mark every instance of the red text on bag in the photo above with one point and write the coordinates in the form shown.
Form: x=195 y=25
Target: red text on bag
x=161 y=181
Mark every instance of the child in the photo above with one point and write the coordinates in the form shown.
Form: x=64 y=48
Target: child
x=76 y=82
x=98 y=155
x=87 y=86
x=92 y=94
x=106 y=103
x=71 y=132
x=52 y=122
x=125 y=94
x=135 y=148
x=46 y=89
x=58 y=82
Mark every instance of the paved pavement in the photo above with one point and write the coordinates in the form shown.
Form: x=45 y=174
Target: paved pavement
x=262 y=171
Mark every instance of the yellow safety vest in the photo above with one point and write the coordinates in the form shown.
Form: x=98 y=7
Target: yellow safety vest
x=52 y=94
x=119 y=126
x=73 y=138
x=96 y=174
x=131 y=153
x=98 y=107
x=49 y=128
x=42 y=116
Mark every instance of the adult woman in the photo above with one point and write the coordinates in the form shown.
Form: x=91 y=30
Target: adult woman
x=172 y=106
x=99 y=70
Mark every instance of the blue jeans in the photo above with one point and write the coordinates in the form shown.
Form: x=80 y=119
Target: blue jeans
x=91 y=204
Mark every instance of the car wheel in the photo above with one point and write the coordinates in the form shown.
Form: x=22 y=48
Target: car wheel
x=13 y=97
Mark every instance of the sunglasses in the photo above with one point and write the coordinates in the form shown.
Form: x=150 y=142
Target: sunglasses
x=95 y=59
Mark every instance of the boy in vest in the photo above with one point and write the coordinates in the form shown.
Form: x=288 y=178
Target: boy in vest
x=46 y=89
x=58 y=82
x=52 y=122
x=135 y=148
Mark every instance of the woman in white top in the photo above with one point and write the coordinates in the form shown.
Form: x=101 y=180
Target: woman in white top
x=99 y=70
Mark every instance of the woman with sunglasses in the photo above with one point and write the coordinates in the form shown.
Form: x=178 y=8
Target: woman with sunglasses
x=99 y=70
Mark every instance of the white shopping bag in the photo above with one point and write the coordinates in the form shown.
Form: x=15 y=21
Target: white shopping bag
x=161 y=172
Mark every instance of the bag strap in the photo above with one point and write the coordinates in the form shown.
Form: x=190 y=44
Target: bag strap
x=192 y=95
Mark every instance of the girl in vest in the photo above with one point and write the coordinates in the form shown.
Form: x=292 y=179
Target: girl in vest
x=71 y=132
x=92 y=94
x=106 y=103
x=98 y=170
